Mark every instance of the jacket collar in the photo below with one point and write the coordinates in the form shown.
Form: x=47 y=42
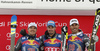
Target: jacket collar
x=80 y=32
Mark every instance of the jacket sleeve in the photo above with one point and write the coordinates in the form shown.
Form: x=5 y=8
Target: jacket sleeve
x=18 y=45
x=86 y=41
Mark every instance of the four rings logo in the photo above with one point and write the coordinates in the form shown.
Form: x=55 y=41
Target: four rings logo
x=9 y=36
x=8 y=47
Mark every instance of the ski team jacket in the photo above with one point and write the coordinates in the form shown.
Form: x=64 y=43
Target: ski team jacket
x=28 y=43
x=78 y=42
x=51 y=44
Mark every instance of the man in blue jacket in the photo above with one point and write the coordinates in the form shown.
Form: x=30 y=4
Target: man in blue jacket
x=77 y=41
x=51 y=41
x=29 y=42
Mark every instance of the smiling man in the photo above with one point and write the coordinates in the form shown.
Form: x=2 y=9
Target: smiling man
x=29 y=42
x=51 y=40
x=77 y=41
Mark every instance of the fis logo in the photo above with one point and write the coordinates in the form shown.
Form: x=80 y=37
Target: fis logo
x=30 y=42
x=52 y=41
x=51 y=22
x=74 y=20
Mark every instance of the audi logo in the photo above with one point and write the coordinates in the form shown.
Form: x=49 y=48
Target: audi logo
x=9 y=36
x=8 y=47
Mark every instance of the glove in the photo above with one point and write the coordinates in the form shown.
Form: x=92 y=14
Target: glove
x=95 y=38
x=23 y=32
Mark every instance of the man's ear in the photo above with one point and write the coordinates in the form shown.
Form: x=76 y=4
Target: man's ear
x=55 y=28
x=36 y=29
x=78 y=26
x=47 y=27
x=69 y=25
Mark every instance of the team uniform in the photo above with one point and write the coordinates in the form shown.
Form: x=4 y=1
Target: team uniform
x=78 y=42
x=28 y=43
x=51 y=43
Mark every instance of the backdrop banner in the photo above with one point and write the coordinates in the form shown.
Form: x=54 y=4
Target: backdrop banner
x=85 y=23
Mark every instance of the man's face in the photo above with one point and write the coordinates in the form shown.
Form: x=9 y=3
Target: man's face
x=51 y=29
x=32 y=30
x=74 y=28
